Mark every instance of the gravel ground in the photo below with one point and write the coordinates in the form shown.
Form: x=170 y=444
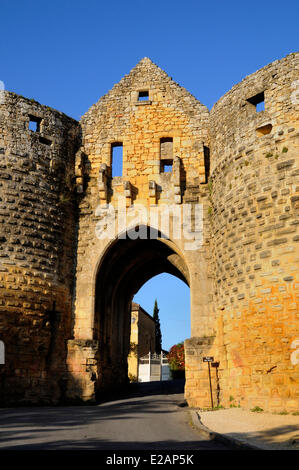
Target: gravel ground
x=267 y=430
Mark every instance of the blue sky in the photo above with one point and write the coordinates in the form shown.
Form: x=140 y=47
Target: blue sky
x=173 y=297
x=68 y=53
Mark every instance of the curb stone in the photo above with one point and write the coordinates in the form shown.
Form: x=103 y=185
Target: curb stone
x=238 y=444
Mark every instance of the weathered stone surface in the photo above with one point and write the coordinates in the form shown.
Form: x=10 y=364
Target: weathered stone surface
x=66 y=293
x=37 y=226
x=258 y=342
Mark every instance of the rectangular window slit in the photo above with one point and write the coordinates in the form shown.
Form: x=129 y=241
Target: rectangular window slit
x=206 y=154
x=166 y=166
x=260 y=107
x=258 y=101
x=166 y=154
x=143 y=96
x=34 y=123
x=117 y=159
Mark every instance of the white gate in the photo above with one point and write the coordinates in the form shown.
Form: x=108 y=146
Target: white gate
x=165 y=369
x=153 y=367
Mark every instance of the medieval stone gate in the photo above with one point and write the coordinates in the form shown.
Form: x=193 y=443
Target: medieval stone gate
x=210 y=197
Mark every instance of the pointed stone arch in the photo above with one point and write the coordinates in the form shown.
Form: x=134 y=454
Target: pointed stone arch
x=125 y=266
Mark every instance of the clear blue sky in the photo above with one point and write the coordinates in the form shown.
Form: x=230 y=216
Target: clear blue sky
x=173 y=297
x=68 y=53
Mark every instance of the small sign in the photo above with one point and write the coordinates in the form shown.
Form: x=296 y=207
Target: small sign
x=208 y=359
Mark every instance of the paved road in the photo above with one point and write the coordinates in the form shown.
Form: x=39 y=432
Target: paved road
x=151 y=419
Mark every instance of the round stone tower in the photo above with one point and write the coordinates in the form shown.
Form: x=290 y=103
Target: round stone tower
x=37 y=251
x=254 y=216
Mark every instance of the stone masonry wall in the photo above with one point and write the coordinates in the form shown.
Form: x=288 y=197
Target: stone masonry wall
x=119 y=117
x=170 y=125
x=254 y=217
x=170 y=111
x=37 y=222
x=55 y=183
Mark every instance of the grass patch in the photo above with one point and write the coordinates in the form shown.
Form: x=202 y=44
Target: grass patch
x=256 y=409
x=215 y=408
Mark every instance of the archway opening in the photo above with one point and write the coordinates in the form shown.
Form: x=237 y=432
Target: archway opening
x=125 y=267
x=168 y=299
x=173 y=298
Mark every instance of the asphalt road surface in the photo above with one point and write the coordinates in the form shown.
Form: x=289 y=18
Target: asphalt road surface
x=149 y=417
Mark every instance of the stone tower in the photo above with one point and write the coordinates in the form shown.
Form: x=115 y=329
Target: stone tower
x=37 y=146
x=254 y=186
x=74 y=252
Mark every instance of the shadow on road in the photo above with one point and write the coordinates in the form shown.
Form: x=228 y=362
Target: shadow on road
x=141 y=389
x=147 y=418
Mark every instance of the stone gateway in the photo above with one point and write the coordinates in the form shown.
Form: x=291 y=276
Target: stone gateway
x=73 y=252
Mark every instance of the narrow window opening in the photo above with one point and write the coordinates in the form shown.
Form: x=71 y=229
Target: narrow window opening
x=258 y=101
x=34 y=123
x=260 y=106
x=166 y=166
x=117 y=159
x=143 y=96
x=206 y=153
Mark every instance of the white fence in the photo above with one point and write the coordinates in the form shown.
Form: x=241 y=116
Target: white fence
x=153 y=367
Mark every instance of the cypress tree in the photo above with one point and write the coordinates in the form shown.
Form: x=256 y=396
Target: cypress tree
x=158 y=334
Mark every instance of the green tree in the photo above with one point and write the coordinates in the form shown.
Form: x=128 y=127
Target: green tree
x=158 y=334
